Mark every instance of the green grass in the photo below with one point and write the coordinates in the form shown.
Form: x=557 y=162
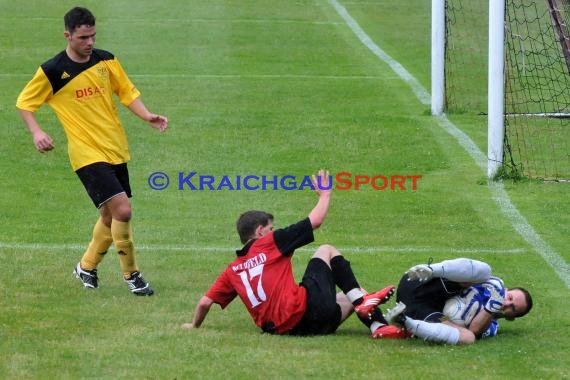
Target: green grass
x=262 y=88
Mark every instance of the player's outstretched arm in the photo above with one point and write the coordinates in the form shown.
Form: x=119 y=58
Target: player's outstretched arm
x=202 y=309
x=322 y=186
x=156 y=121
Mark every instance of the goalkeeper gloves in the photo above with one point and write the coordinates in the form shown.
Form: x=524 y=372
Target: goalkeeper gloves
x=495 y=289
x=425 y=272
x=421 y=272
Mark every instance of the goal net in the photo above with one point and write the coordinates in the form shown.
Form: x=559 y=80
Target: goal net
x=536 y=80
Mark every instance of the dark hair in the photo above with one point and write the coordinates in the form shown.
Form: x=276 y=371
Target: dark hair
x=76 y=17
x=528 y=300
x=249 y=221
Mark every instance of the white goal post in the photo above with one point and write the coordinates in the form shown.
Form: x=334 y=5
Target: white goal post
x=503 y=67
x=496 y=88
x=495 y=111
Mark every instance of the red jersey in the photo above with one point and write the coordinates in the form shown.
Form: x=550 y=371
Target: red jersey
x=262 y=276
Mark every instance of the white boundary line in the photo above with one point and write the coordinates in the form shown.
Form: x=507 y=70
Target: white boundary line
x=186 y=21
x=184 y=248
x=518 y=221
x=235 y=76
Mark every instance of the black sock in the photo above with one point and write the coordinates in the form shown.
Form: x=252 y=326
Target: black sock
x=343 y=275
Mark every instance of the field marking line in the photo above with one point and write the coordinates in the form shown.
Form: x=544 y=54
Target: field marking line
x=261 y=76
x=518 y=221
x=188 y=248
x=185 y=21
x=236 y=76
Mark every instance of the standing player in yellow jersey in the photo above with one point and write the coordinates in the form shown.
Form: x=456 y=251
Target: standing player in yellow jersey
x=78 y=84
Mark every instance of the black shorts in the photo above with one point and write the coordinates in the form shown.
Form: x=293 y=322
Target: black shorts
x=323 y=314
x=103 y=181
x=425 y=300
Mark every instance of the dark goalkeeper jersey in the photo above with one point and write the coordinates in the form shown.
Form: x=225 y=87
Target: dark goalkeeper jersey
x=81 y=94
x=262 y=276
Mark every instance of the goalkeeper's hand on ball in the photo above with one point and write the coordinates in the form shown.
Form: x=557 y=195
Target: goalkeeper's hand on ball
x=496 y=291
x=421 y=272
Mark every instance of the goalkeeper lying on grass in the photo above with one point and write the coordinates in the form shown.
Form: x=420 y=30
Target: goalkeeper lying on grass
x=423 y=300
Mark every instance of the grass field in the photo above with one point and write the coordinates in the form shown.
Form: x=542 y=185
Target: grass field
x=261 y=88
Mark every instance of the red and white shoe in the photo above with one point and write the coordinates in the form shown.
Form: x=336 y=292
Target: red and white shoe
x=390 y=332
x=372 y=300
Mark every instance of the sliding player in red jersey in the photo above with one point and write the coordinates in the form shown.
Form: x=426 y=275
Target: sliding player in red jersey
x=262 y=277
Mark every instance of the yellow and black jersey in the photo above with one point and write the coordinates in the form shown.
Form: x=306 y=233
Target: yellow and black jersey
x=81 y=94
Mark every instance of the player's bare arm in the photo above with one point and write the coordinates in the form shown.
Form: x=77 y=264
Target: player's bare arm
x=42 y=141
x=202 y=309
x=156 y=121
x=323 y=189
x=481 y=322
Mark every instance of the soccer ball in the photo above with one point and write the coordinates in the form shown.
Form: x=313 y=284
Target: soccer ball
x=463 y=308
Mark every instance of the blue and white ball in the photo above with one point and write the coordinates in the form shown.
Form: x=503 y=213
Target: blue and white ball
x=463 y=308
